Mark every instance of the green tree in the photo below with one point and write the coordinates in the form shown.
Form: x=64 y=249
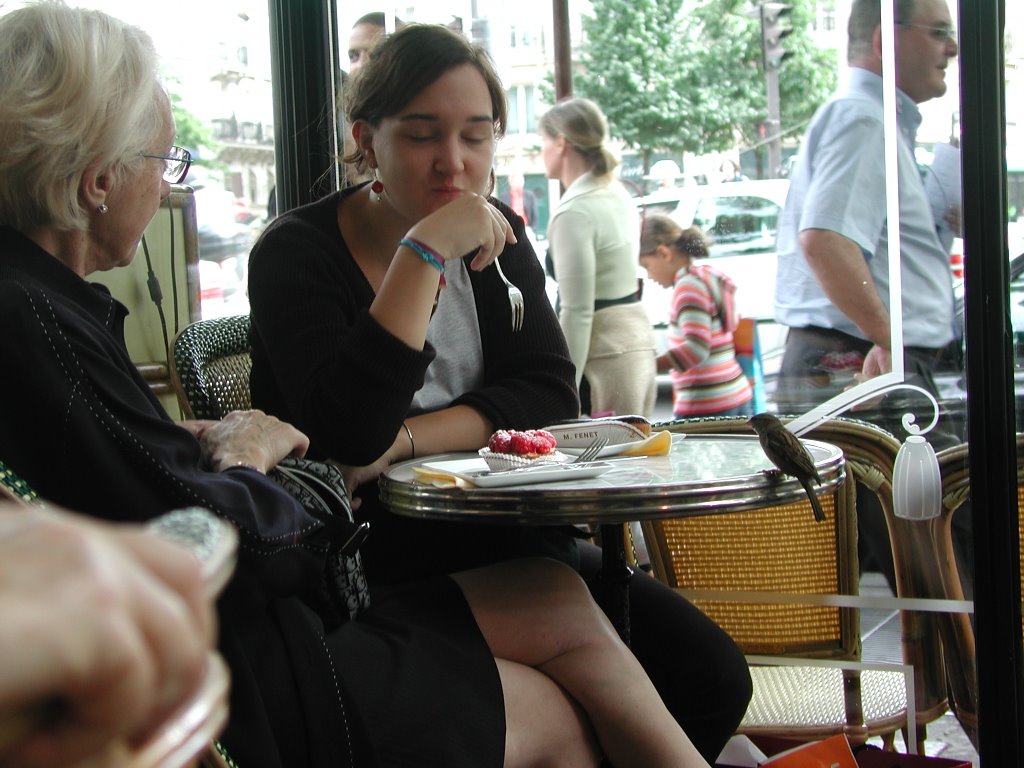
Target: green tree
x=674 y=79
x=629 y=66
x=190 y=132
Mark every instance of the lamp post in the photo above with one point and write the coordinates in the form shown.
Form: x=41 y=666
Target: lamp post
x=773 y=32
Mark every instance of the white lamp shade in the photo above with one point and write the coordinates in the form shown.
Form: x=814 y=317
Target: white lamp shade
x=916 y=484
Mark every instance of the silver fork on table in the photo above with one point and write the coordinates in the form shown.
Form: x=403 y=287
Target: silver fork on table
x=592 y=451
x=515 y=299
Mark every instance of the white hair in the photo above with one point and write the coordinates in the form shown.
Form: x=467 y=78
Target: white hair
x=76 y=87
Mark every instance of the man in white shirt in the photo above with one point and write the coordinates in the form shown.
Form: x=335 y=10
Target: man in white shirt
x=832 y=288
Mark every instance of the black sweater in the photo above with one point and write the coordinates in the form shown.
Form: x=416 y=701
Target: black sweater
x=321 y=362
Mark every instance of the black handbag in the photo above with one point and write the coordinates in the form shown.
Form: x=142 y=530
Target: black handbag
x=320 y=488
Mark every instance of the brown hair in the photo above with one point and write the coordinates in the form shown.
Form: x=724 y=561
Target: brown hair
x=661 y=229
x=403 y=64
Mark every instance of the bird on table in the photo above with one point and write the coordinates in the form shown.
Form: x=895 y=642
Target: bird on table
x=786 y=452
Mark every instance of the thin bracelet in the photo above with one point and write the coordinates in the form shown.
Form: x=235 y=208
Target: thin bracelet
x=412 y=443
x=425 y=252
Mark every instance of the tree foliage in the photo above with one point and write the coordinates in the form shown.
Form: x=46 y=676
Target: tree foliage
x=190 y=132
x=675 y=78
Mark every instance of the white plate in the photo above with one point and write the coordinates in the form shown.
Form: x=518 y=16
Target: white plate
x=476 y=472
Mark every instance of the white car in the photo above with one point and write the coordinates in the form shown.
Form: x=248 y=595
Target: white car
x=741 y=219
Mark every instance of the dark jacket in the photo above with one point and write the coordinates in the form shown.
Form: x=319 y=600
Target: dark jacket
x=80 y=425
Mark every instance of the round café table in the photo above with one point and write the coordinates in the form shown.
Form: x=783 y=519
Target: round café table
x=701 y=475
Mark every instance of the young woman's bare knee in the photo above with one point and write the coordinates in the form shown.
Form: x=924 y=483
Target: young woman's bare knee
x=544 y=726
x=539 y=614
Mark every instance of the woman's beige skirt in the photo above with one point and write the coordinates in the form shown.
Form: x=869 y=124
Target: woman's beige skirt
x=621 y=362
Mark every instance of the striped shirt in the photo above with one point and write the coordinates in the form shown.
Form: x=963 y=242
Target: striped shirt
x=706 y=379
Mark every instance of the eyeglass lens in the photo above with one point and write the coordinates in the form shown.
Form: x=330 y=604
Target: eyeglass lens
x=176 y=164
x=940 y=33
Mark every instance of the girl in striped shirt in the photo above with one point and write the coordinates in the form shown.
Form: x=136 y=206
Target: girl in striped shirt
x=706 y=379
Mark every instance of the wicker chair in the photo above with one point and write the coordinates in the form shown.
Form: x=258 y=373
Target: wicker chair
x=717 y=552
x=210 y=365
x=957 y=632
x=14 y=488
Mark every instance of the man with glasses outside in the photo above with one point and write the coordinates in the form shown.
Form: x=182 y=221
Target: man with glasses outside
x=832 y=287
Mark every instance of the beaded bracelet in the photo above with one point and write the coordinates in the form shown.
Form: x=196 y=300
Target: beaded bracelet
x=425 y=252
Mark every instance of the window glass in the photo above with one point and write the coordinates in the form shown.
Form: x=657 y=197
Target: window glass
x=215 y=64
x=680 y=149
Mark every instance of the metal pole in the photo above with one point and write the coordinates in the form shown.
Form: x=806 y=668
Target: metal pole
x=990 y=408
x=773 y=124
x=771 y=36
x=563 y=49
x=304 y=69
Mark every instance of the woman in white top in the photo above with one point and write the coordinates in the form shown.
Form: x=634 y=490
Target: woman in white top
x=593 y=239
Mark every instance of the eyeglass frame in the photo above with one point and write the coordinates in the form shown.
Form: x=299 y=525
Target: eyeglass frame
x=185 y=160
x=940 y=33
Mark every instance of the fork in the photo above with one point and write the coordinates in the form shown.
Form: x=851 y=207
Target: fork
x=592 y=451
x=515 y=299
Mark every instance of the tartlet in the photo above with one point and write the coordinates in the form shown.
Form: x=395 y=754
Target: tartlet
x=514 y=449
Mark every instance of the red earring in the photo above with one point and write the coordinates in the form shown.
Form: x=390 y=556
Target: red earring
x=377 y=186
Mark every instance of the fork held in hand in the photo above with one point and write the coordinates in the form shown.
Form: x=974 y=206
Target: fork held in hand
x=515 y=299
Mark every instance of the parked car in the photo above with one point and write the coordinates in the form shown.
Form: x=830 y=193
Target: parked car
x=221 y=293
x=741 y=219
x=220 y=232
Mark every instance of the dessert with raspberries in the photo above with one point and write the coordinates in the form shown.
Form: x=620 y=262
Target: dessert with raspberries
x=512 y=449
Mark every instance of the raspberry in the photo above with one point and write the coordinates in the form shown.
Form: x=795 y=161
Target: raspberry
x=521 y=443
x=532 y=442
x=543 y=442
x=499 y=442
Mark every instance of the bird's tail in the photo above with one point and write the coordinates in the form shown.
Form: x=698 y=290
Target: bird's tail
x=819 y=513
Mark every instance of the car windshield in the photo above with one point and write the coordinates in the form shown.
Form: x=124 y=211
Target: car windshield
x=738 y=218
x=745 y=224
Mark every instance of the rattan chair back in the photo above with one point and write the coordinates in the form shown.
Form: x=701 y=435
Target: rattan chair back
x=771 y=549
x=871 y=454
x=782 y=549
x=210 y=365
x=957 y=632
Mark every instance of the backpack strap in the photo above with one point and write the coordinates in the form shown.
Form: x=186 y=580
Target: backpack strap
x=724 y=298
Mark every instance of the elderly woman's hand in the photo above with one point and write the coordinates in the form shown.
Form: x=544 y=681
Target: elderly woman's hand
x=107 y=623
x=251 y=438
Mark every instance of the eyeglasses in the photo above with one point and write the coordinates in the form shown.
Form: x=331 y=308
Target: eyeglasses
x=176 y=164
x=940 y=34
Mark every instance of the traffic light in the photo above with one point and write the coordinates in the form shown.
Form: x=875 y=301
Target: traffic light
x=773 y=32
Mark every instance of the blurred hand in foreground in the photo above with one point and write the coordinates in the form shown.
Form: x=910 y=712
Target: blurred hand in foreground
x=105 y=632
